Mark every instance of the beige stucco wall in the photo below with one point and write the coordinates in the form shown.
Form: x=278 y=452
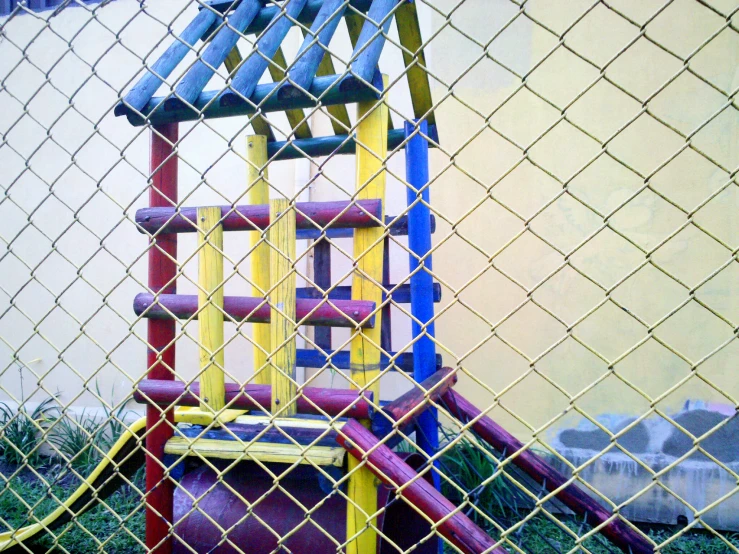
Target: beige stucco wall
x=507 y=251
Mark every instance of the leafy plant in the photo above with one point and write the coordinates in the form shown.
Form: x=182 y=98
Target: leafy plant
x=471 y=466
x=21 y=433
x=82 y=440
x=74 y=439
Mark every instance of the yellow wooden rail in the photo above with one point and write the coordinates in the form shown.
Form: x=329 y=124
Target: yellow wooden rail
x=365 y=345
x=210 y=305
x=282 y=240
x=409 y=31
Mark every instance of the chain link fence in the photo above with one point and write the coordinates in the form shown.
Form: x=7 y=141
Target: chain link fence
x=582 y=198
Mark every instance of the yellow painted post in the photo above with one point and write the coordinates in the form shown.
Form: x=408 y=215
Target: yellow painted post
x=365 y=345
x=256 y=154
x=282 y=239
x=210 y=304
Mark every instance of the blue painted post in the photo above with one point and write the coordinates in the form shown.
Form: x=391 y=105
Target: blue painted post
x=422 y=285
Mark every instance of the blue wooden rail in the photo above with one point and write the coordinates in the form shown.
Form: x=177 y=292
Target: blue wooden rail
x=314 y=46
x=370 y=43
x=197 y=77
x=307 y=357
x=331 y=145
x=401 y=294
x=248 y=75
x=140 y=94
x=264 y=99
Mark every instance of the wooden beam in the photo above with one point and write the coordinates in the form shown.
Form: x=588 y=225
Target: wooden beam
x=282 y=239
x=296 y=117
x=453 y=524
x=210 y=303
x=259 y=123
x=256 y=181
x=409 y=31
x=365 y=345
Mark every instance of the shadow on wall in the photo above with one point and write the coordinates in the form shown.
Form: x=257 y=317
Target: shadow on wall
x=685 y=486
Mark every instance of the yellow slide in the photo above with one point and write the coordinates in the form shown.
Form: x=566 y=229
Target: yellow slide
x=122 y=460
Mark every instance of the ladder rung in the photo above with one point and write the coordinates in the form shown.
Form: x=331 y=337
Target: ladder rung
x=398 y=228
x=309 y=311
x=401 y=294
x=309 y=215
x=316 y=359
x=312 y=400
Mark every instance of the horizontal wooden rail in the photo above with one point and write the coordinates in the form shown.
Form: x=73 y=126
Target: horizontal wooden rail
x=313 y=400
x=408 y=407
x=323 y=89
x=454 y=525
x=577 y=500
x=309 y=215
x=332 y=145
x=401 y=294
x=398 y=228
x=340 y=359
x=337 y=313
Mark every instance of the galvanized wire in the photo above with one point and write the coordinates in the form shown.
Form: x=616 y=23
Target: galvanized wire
x=35 y=192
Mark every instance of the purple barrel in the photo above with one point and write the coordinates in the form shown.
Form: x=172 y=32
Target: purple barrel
x=321 y=533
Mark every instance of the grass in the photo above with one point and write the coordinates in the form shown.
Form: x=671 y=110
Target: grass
x=116 y=527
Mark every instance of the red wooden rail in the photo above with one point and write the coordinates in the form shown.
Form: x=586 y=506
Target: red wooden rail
x=623 y=536
x=309 y=215
x=407 y=408
x=394 y=472
x=314 y=400
x=337 y=313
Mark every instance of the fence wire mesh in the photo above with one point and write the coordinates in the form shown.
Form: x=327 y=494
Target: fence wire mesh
x=584 y=195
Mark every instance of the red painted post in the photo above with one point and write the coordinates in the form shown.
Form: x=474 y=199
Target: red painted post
x=161 y=334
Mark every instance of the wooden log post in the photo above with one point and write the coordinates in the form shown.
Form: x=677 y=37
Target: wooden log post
x=282 y=239
x=257 y=178
x=210 y=304
x=161 y=337
x=365 y=345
